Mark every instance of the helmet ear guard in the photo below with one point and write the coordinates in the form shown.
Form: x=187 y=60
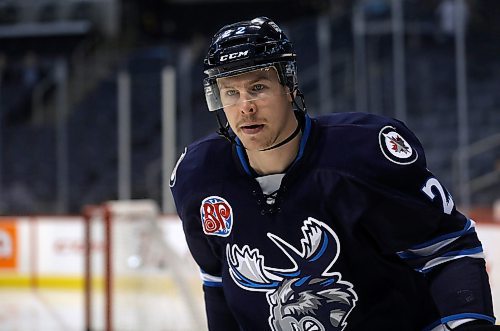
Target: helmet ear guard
x=287 y=73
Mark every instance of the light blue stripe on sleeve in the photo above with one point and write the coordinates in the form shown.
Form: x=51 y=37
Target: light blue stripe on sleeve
x=210 y=280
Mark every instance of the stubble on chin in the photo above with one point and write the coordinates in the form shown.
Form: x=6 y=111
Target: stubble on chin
x=256 y=144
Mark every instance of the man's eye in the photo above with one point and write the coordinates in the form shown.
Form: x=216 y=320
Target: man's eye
x=258 y=87
x=231 y=92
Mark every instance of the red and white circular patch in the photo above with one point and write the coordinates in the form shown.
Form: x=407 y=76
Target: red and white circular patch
x=395 y=148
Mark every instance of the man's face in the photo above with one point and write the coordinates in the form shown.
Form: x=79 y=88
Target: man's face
x=257 y=107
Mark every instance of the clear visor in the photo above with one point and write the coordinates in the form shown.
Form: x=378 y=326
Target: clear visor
x=250 y=86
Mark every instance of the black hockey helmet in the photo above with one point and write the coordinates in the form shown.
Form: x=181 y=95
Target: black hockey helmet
x=245 y=46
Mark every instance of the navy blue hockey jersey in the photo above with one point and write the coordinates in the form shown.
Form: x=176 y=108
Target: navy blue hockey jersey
x=359 y=236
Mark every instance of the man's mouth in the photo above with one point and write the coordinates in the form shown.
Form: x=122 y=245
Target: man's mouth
x=251 y=128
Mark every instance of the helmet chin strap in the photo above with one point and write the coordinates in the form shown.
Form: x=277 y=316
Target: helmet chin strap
x=224 y=128
x=290 y=137
x=224 y=132
x=302 y=110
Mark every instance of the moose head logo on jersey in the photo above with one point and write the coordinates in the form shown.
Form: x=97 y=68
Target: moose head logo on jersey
x=216 y=216
x=307 y=297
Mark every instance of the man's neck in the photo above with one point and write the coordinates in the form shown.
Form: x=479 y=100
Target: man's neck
x=276 y=160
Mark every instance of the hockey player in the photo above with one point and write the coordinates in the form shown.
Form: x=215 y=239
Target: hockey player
x=317 y=224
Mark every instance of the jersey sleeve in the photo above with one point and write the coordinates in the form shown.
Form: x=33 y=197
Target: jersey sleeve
x=414 y=216
x=219 y=316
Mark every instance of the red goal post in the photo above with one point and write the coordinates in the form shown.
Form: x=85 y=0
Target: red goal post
x=138 y=274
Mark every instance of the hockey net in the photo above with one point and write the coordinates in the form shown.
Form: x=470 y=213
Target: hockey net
x=138 y=272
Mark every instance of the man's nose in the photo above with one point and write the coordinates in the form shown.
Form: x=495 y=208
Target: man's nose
x=247 y=106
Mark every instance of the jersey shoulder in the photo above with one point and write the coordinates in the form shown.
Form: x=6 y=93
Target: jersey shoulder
x=369 y=147
x=202 y=162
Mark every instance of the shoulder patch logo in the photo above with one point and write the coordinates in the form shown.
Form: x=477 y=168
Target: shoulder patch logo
x=216 y=216
x=395 y=148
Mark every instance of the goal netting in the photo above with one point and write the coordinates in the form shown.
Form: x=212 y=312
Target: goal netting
x=139 y=274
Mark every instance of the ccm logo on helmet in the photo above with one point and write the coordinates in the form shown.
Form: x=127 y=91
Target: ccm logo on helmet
x=232 y=56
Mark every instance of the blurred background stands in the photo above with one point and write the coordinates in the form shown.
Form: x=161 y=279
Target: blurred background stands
x=59 y=63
